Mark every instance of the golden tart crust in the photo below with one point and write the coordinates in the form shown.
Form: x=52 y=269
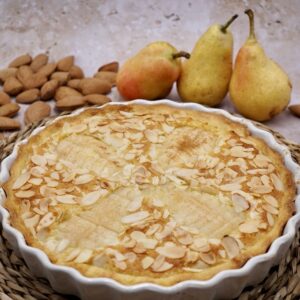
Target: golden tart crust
x=149 y=193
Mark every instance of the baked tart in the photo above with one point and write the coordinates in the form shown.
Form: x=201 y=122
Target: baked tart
x=142 y=193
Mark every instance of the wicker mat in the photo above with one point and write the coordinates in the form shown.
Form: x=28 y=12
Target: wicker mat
x=16 y=281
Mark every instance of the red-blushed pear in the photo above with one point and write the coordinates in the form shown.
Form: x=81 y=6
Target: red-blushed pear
x=206 y=75
x=259 y=88
x=150 y=74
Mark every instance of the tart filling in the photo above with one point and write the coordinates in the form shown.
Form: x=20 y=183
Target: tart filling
x=149 y=194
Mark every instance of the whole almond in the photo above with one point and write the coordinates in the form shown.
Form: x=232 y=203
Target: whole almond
x=4 y=98
x=28 y=96
x=107 y=75
x=295 y=109
x=24 y=73
x=111 y=67
x=37 y=111
x=9 y=124
x=6 y=73
x=62 y=77
x=35 y=81
x=70 y=103
x=48 y=89
x=96 y=99
x=20 y=61
x=12 y=86
x=74 y=84
x=9 y=109
x=65 y=91
x=47 y=69
x=94 y=86
x=76 y=72
x=65 y=64
x=39 y=61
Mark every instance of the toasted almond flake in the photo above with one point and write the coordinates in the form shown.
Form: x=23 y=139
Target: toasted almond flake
x=171 y=252
x=157 y=203
x=270 y=219
x=130 y=257
x=192 y=270
x=155 y=180
x=66 y=199
x=99 y=260
x=21 y=180
x=277 y=182
x=231 y=246
x=52 y=183
x=163 y=268
x=271 y=200
x=25 y=194
x=46 y=221
x=185 y=239
x=248 y=227
x=149 y=243
x=159 y=260
x=238 y=151
x=147 y=262
x=137 y=235
x=265 y=180
x=209 y=258
x=139 y=248
x=135 y=217
x=261 y=161
x=46 y=191
x=168 y=229
x=38 y=211
x=156 y=214
x=26 y=186
x=222 y=253
x=271 y=209
x=35 y=181
x=135 y=204
x=165 y=213
x=120 y=264
x=62 y=245
x=83 y=179
x=128 y=243
x=32 y=222
x=201 y=244
x=91 y=197
x=39 y=160
x=262 y=225
x=37 y=171
x=72 y=255
x=230 y=187
x=151 y=135
x=152 y=229
x=84 y=256
x=191 y=256
x=239 y=202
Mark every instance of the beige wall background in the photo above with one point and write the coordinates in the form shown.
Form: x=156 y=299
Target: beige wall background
x=97 y=32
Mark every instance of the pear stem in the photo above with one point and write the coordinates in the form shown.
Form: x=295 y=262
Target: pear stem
x=181 y=54
x=250 y=14
x=226 y=25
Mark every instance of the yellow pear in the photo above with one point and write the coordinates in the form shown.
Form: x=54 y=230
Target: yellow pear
x=259 y=88
x=206 y=75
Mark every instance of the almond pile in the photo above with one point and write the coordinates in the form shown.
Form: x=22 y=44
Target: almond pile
x=35 y=80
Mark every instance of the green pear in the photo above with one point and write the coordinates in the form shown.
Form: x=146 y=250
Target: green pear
x=206 y=75
x=259 y=88
x=150 y=74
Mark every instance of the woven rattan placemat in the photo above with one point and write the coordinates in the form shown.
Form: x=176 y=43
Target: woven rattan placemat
x=16 y=281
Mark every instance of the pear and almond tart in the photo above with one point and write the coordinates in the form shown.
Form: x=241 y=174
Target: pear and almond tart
x=143 y=193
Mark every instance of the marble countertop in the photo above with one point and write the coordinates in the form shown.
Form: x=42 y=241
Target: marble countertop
x=97 y=32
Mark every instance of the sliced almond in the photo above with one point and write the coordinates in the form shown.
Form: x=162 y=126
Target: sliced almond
x=25 y=194
x=39 y=160
x=32 y=222
x=209 y=258
x=91 y=198
x=135 y=204
x=163 y=268
x=201 y=244
x=231 y=246
x=120 y=264
x=147 y=262
x=72 y=255
x=46 y=221
x=66 y=199
x=84 y=256
x=230 y=187
x=248 y=227
x=135 y=217
x=277 y=182
x=271 y=209
x=270 y=219
x=99 y=260
x=21 y=180
x=62 y=245
x=271 y=200
x=83 y=179
x=174 y=252
x=239 y=202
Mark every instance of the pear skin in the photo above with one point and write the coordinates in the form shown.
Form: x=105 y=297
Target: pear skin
x=259 y=88
x=151 y=73
x=206 y=75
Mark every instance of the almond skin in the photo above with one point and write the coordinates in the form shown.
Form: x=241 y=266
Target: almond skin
x=107 y=75
x=4 y=98
x=48 y=89
x=37 y=111
x=6 y=73
x=20 y=61
x=62 y=77
x=65 y=64
x=9 y=110
x=70 y=103
x=94 y=86
x=96 y=99
x=47 y=69
x=38 y=62
x=76 y=72
x=24 y=73
x=295 y=109
x=65 y=91
x=9 y=124
x=35 y=81
x=28 y=96
x=12 y=86
x=74 y=84
x=110 y=67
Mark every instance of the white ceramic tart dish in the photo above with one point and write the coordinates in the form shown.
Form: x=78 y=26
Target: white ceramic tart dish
x=144 y=199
